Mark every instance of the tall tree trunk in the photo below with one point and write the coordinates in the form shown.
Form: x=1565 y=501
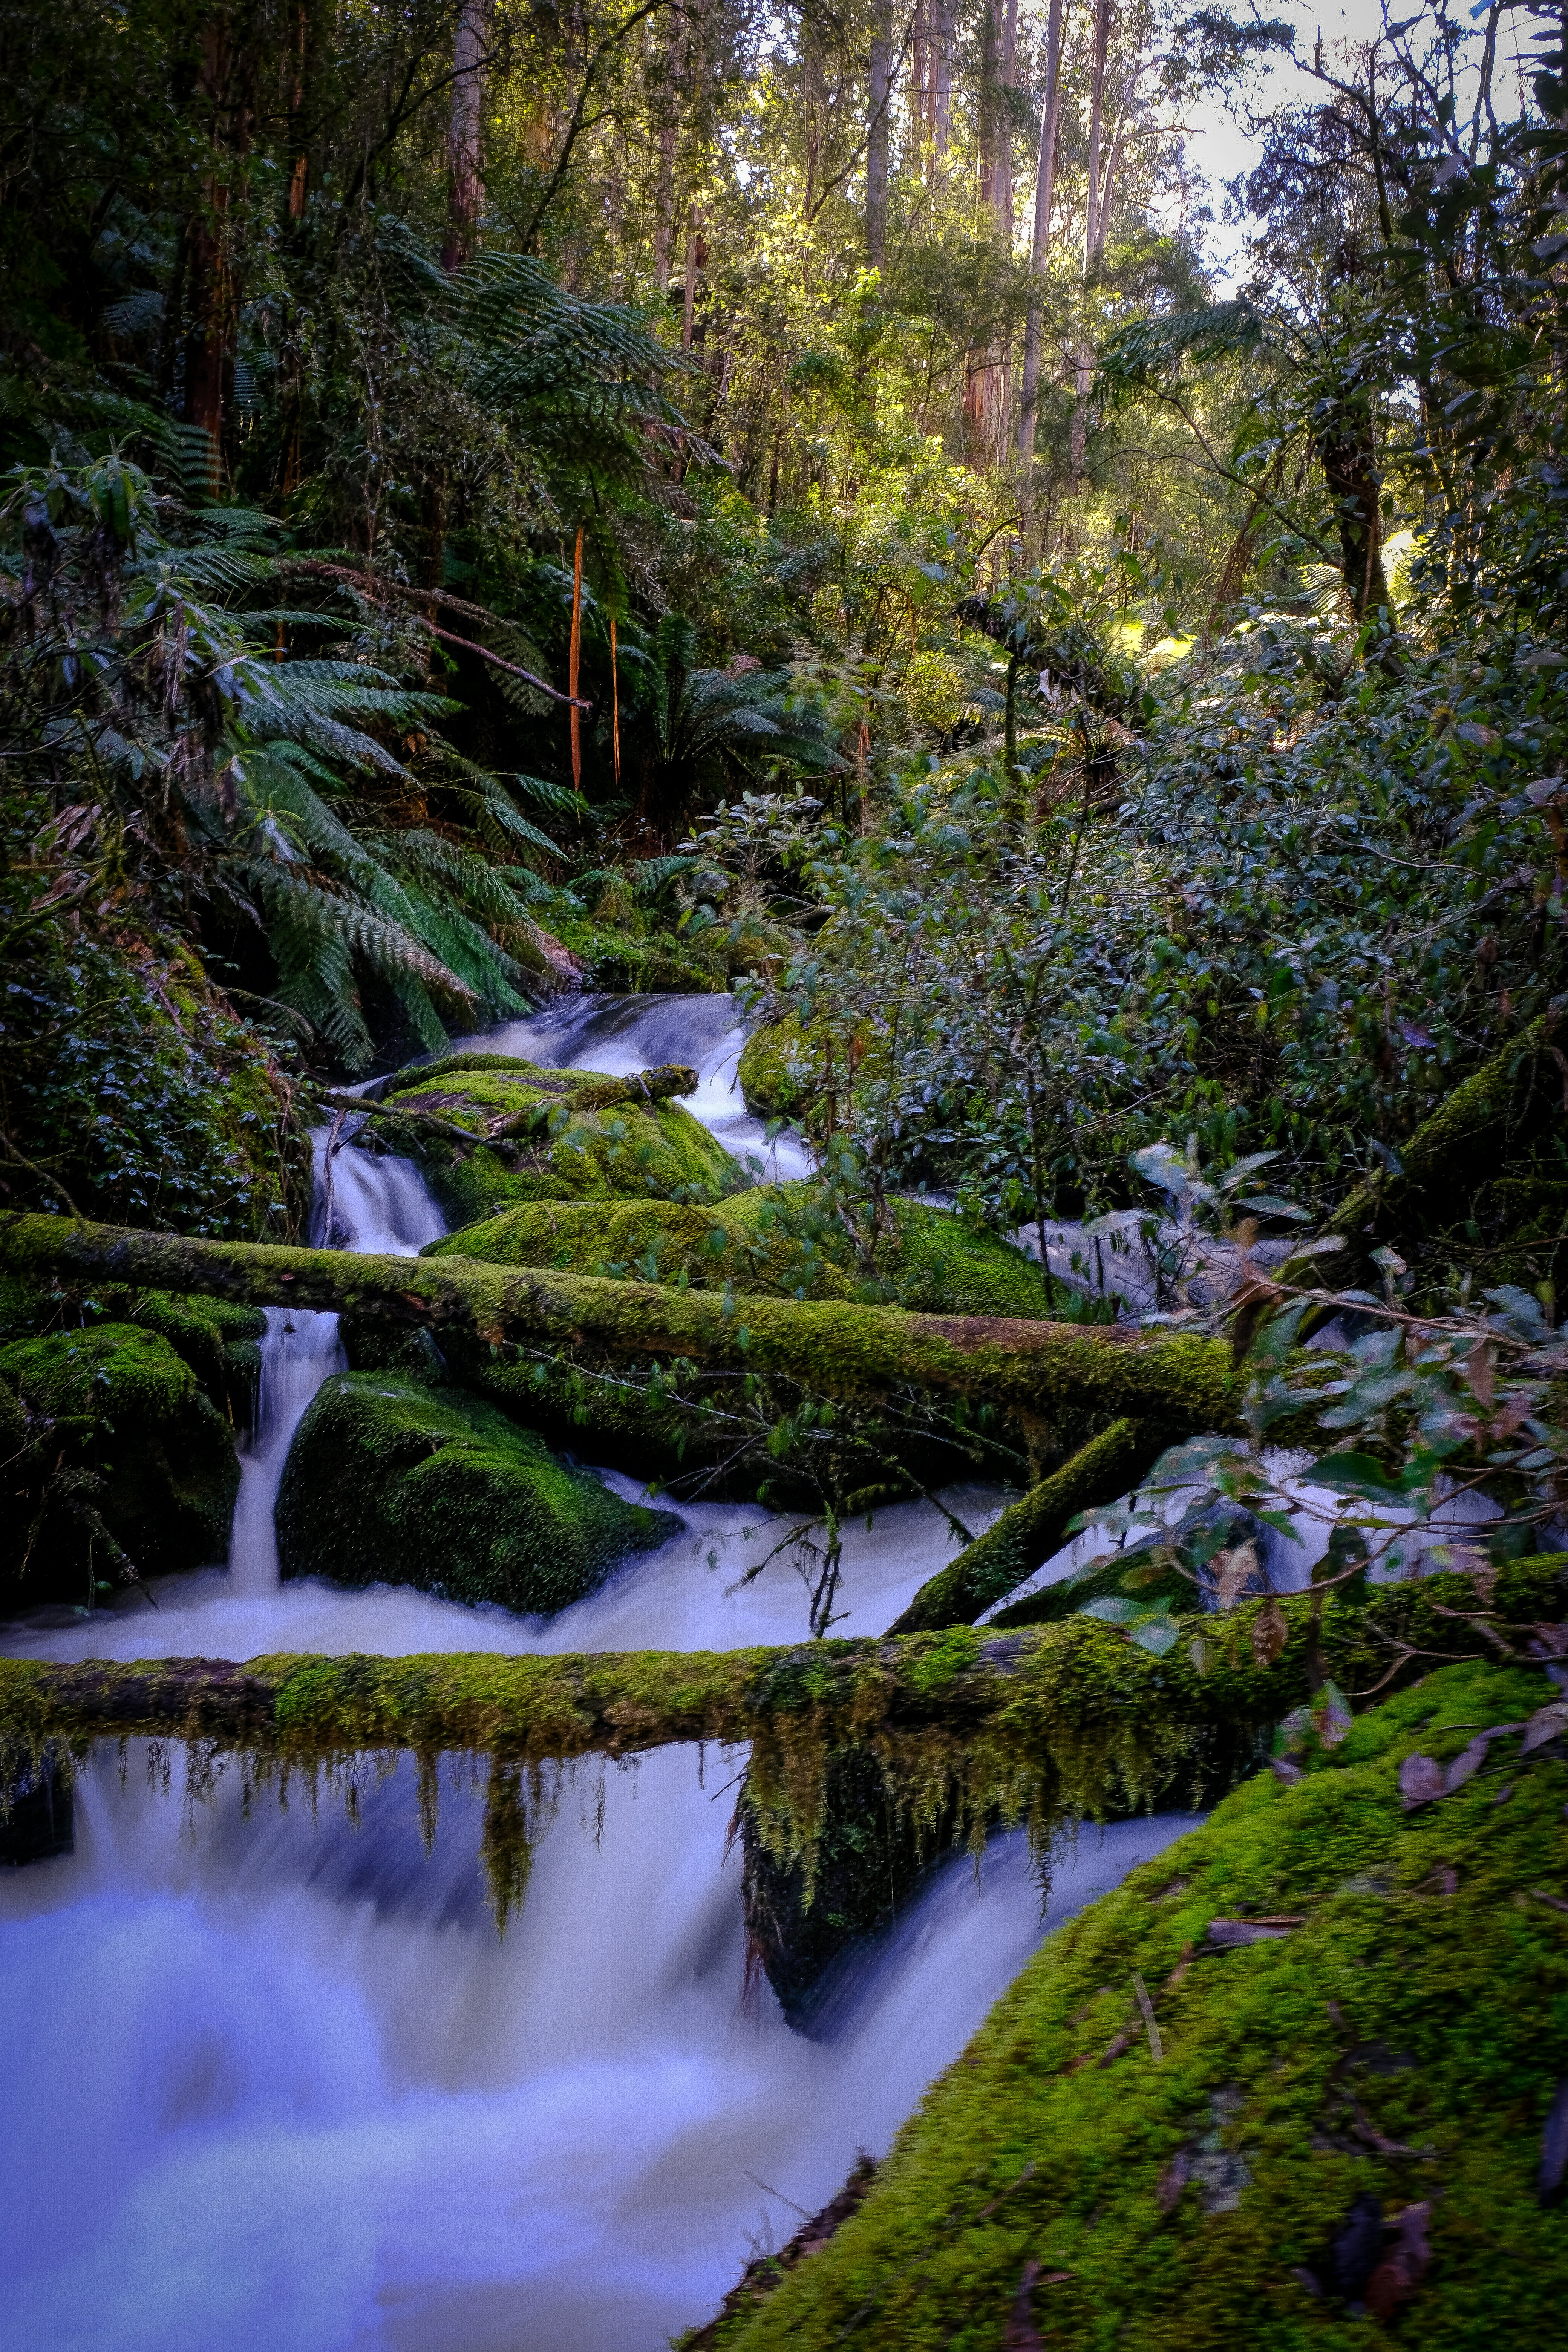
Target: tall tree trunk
x=941 y=76
x=879 y=103
x=1096 y=130
x=1356 y=483
x=668 y=97
x=298 y=178
x=1045 y=197
x=1083 y=359
x=464 y=135
x=689 y=303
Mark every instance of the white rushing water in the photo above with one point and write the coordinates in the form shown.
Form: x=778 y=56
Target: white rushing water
x=273 y=2078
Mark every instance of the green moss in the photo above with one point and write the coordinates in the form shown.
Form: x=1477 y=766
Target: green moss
x=123 y=1451
x=216 y=1336
x=390 y=1482
x=618 y=957
x=772 y=1240
x=629 y=1150
x=1403 y=2046
x=780 y=1070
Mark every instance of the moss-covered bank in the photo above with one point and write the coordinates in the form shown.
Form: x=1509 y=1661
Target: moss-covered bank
x=117 y=1462
x=390 y=1482
x=1327 y=2126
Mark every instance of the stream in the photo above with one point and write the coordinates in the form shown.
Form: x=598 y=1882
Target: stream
x=273 y=2080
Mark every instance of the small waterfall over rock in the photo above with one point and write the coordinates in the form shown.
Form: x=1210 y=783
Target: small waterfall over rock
x=363 y=1204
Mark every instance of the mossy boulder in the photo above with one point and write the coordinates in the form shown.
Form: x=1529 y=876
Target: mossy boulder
x=629 y=1150
x=617 y=951
x=781 y=1068
x=217 y=1337
x=1351 y=2131
x=390 y=1482
x=773 y=1240
x=123 y=1455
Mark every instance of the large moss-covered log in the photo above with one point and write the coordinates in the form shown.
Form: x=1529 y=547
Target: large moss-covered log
x=1300 y=2082
x=1070 y=1709
x=1029 y=1531
x=833 y=1348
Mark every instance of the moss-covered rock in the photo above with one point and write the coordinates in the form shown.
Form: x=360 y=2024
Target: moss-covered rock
x=781 y=1070
x=628 y=1151
x=122 y=1453
x=773 y=1240
x=617 y=953
x=1362 y=2012
x=389 y=1482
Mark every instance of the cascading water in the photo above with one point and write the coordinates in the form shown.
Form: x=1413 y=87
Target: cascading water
x=361 y=1203
x=274 y=2080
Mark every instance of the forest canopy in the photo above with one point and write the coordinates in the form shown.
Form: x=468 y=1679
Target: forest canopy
x=836 y=502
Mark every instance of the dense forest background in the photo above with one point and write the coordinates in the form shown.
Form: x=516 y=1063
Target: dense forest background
x=505 y=495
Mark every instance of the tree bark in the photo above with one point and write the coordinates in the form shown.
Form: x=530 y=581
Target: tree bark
x=1032 y=1528
x=941 y=78
x=1355 y=484
x=1096 y=130
x=830 y=1348
x=1044 y=198
x=879 y=120
x=222 y=81
x=464 y=135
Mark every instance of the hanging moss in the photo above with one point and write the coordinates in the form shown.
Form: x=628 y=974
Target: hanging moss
x=968 y=1726
x=123 y=1455
x=1400 y=2047
x=628 y=1151
x=392 y=1482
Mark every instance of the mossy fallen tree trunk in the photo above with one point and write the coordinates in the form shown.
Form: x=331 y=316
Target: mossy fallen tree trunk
x=1071 y=1709
x=830 y=1348
x=1032 y=1528
x=1463 y=1142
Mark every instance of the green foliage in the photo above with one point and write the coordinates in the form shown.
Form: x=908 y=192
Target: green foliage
x=121 y=1468
x=192 y=766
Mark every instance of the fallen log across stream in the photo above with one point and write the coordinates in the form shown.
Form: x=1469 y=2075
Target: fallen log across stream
x=832 y=1347
x=1047 y=1725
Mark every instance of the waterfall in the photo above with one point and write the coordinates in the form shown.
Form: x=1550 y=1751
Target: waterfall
x=363 y=1204
x=281 y=2082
